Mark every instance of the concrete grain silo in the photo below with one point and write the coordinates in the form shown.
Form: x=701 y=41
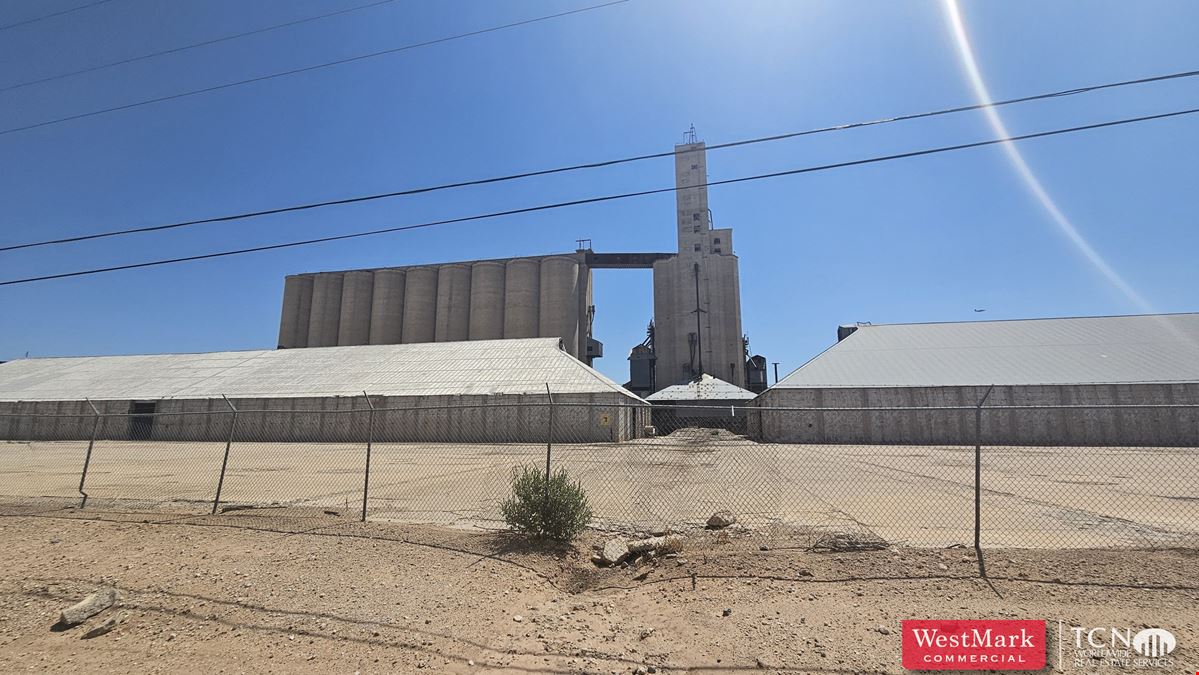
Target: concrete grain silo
x=387 y=307
x=487 y=300
x=452 y=323
x=297 y=305
x=522 y=297
x=420 y=304
x=697 y=305
x=325 y=316
x=560 y=300
x=354 y=327
x=542 y=296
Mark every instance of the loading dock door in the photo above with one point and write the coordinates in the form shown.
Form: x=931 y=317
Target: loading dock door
x=141 y=420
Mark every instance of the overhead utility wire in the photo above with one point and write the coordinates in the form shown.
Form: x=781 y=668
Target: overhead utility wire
x=305 y=69
x=194 y=45
x=51 y=16
x=577 y=167
x=605 y=198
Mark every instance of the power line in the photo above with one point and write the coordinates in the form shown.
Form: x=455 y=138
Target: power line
x=605 y=198
x=590 y=165
x=51 y=16
x=194 y=45
x=305 y=69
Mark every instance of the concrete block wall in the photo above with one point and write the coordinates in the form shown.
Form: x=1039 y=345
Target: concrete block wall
x=1040 y=427
x=61 y=420
x=434 y=419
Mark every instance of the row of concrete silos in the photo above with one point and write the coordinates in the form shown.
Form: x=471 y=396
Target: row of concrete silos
x=516 y=298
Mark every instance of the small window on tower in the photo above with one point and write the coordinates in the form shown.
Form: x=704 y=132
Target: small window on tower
x=695 y=229
x=697 y=248
x=695 y=216
x=716 y=250
x=694 y=167
x=716 y=240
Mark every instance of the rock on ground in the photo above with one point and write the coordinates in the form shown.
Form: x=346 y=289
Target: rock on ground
x=721 y=519
x=614 y=551
x=88 y=607
x=109 y=623
x=669 y=542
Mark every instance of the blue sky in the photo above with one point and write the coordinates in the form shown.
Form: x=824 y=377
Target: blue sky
x=928 y=239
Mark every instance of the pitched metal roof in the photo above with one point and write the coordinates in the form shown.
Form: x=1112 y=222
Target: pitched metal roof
x=707 y=388
x=1081 y=350
x=521 y=366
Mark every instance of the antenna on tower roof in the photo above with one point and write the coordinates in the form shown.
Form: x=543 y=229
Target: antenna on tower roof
x=690 y=137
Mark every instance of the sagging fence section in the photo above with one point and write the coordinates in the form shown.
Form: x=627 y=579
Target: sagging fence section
x=451 y=464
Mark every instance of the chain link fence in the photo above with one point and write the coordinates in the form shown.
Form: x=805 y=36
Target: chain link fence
x=839 y=479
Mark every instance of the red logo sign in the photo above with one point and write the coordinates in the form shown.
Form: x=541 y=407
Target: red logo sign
x=973 y=645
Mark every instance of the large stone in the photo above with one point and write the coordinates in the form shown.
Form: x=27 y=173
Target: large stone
x=721 y=519
x=614 y=551
x=88 y=607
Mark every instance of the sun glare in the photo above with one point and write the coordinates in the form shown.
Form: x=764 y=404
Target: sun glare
x=958 y=28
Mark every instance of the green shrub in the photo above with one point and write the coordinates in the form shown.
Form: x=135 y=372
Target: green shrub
x=562 y=516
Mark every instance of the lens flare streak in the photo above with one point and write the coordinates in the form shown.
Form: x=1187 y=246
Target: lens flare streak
x=957 y=27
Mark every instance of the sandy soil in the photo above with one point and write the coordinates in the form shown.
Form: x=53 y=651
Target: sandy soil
x=251 y=592
x=921 y=495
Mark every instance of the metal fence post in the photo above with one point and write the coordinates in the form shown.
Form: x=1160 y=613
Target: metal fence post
x=370 y=437
x=978 y=481
x=549 y=447
x=225 y=462
x=87 y=459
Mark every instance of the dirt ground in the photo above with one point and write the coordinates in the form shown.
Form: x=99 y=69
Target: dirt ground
x=920 y=495
x=252 y=593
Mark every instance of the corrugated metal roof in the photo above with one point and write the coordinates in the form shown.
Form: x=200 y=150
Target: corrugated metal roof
x=437 y=368
x=707 y=388
x=1109 y=349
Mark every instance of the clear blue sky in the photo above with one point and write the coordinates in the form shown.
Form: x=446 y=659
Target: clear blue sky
x=929 y=239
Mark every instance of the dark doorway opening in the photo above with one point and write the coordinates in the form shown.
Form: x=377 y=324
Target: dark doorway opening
x=141 y=420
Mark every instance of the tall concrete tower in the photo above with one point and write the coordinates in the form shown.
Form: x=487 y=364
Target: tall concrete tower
x=697 y=294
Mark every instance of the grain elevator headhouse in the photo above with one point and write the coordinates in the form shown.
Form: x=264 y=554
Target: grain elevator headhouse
x=697 y=295
x=697 y=303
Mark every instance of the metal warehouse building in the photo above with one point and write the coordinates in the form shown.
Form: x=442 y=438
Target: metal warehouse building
x=1060 y=364
x=483 y=391
x=705 y=402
